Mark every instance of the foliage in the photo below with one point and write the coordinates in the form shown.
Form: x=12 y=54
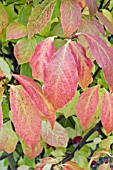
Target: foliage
x=56 y=84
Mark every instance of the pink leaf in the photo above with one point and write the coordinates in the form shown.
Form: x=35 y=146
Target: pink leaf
x=1 y=117
x=24 y=49
x=32 y=153
x=87 y=105
x=71 y=166
x=56 y=136
x=15 y=30
x=107 y=112
x=105 y=22
x=103 y=55
x=42 y=55
x=61 y=77
x=44 y=106
x=70 y=16
x=84 y=64
x=25 y=116
x=92 y=5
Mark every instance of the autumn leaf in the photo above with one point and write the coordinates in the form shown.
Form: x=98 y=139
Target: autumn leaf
x=15 y=30
x=103 y=55
x=3 y=17
x=92 y=5
x=25 y=116
x=84 y=64
x=40 y=16
x=44 y=106
x=56 y=136
x=107 y=112
x=43 y=53
x=71 y=166
x=1 y=116
x=24 y=49
x=87 y=105
x=61 y=77
x=32 y=153
x=70 y=16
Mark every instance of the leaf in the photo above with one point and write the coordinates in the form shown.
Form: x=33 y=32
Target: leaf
x=82 y=3
x=56 y=136
x=103 y=55
x=32 y=153
x=25 y=116
x=15 y=30
x=43 y=53
x=1 y=117
x=24 y=49
x=87 y=105
x=105 y=22
x=44 y=106
x=60 y=81
x=69 y=108
x=71 y=166
x=23 y=167
x=40 y=16
x=104 y=166
x=3 y=17
x=92 y=5
x=1 y=88
x=106 y=143
x=84 y=64
x=70 y=16
x=107 y=112
x=25 y=70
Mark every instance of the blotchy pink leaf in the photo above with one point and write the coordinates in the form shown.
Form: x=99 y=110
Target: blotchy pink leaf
x=40 y=16
x=25 y=116
x=92 y=5
x=56 y=136
x=70 y=16
x=107 y=112
x=103 y=55
x=15 y=30
x=87 y=105
x=61 y=77
x=24 y=49
x=84 y=64
x=105 y=22
x=1 y=117
x=32 y=153
x=43 y=53
x=71 y=166
x=44 y=106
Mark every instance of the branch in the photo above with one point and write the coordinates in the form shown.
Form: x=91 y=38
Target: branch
x=12 y=162
x=96 y=72
x=107 y=4
x=4 y=156
x=101 y=4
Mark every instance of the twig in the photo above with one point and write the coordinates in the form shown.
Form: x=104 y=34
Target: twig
x=106 y=5
x=96 y=72
x=12 y=162
x=4 y=156
x=101 y=4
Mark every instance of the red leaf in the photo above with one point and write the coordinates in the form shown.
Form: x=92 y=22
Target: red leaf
x=45 y=107
x=92 y=5
x=84 y=64
x=61 y=77
x=105 y=22
x=87 y=105
x=43 y=54
x=103 y=55
x=56 y=136
x=32 y=153
x=15 y=30
x=70 y=16
x=107 y=112
x=25 y=116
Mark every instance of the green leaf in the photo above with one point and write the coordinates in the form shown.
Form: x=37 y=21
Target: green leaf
x=11 y=13
x=25 y=70
x=29 y=162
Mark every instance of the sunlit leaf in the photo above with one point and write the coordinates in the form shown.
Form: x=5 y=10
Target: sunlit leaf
x=70 y=16
x=92 y=5
x=25 y=116
x=87 y=105
x=105 y=22
x=3 y=17
x=40 y=16
x=56 y=136
x=32 y=153
x=24 y=49
x=71 y=166
x=45 y=107
x=61 y=77
x=103 y=55
x=106 y=143
x=43 y=53
x=84 y=64
x=15 y=30
x=107 y=112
